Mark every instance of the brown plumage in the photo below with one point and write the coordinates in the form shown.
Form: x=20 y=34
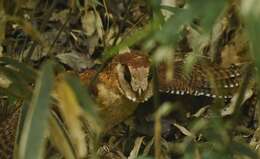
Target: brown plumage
x=204 y=79
x=126 y=81
x=121 y=86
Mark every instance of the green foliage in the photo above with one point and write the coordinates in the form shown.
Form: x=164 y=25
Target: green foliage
x=35 y=126
x=36 y=86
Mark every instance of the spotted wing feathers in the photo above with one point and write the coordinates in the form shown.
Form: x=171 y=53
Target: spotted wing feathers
x=202 y=80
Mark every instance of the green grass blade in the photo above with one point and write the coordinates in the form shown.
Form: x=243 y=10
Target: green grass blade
x=34 y=130
x=60 y=138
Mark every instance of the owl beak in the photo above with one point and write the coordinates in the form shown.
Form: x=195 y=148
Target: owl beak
x=139 y=91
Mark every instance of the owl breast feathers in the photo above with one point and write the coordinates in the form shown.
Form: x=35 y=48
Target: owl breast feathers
x=127 y=81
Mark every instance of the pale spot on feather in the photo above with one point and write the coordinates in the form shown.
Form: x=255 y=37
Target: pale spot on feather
x=106 y=96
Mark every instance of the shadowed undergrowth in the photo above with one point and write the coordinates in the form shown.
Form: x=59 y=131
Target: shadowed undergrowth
x=45 y=45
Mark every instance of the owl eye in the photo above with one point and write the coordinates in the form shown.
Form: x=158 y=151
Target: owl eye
x=127 y=74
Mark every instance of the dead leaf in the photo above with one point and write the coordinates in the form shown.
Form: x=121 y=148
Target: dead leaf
x=231 y=107
x=184 y=130
x=75 y=60
x=4 y=81
x=135 y=151
x=89 y=22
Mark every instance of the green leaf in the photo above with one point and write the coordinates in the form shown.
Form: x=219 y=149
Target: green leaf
x=19 y=85
x=144 y=157
x=243 y=150
x=129 y=41
x=60 y=137
x=250 y=11
x=34 y=130
x=20 y=76
x=26 y=71
x=208 y=10
x=169 y=32
x=82 y=95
